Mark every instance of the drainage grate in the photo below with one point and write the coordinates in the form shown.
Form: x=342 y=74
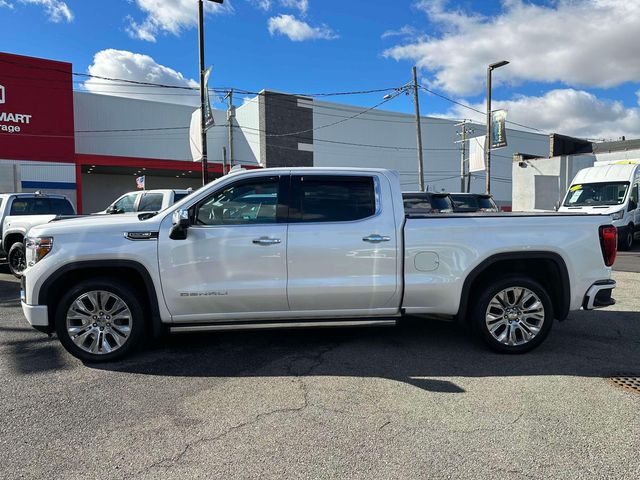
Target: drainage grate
x=628 y=382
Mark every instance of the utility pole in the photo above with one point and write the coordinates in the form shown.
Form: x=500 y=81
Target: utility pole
x=465 y=174
x=418 y=131
x=224 y=161
x=203 y=120
x=463 y=150
x=203 y=113
x=231 y=113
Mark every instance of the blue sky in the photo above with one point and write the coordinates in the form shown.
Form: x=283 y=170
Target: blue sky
x=574 y=63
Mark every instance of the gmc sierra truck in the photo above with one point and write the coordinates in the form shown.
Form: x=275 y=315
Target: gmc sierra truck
x=310 y=247
x=19 y=212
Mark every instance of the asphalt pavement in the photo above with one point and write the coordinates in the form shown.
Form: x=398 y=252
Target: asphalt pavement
x=628 y=261
x=423 y=400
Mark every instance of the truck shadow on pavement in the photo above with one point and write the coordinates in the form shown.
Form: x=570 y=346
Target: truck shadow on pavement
x=419 y=352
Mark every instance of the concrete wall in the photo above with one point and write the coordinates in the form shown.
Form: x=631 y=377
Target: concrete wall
x=99 y=191
x=530 y=183
x=46 y=177
x=107 y=112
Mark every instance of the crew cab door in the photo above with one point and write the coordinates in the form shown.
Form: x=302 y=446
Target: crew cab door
x=233 y=262
x=342 y=245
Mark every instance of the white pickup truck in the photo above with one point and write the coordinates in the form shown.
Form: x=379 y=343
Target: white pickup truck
x=282 y=248
x=19 y=212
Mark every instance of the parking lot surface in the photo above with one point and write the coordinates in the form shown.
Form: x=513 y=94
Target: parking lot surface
x=423 y=400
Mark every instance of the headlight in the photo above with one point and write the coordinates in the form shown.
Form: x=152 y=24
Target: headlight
x=618 y=215
x=37 y=248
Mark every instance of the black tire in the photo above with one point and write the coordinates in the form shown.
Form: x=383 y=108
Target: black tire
x=16 y=259
x=480 y=306
x=127 y=294
x=625 y=242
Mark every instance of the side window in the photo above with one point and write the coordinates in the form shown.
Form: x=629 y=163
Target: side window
x=244 y=202
x=19 y=206
x=60 y=206
x=126 y=203
x=634 y=195
x=325 y=198
x=150 y=202
x=29 y=206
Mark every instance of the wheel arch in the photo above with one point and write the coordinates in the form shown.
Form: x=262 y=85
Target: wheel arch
x=10 y=239
x=544 y=267
x=128 y=270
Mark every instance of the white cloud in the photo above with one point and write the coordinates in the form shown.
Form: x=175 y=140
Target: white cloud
x=406 y=31
x=301 y=5
x=586 y=43
x=566 y=111
x=298 y=30
x=169 y=16
x=56 y=10
x=262 y=4
x=127 y=65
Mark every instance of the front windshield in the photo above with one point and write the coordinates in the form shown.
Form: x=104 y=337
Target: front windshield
x=594 y=194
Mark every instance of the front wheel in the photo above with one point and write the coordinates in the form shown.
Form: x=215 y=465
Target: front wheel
x=100 y=320
x=16 y=259
x=513 y=314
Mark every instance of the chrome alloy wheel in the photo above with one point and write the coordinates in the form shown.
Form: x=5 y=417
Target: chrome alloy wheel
x=514 y=316
x=99 y=322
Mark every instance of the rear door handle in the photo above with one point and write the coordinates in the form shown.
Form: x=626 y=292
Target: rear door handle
x=267 y=241
x=375 y=238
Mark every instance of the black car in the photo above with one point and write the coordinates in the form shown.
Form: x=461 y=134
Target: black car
x=473 y=202
x=427 y=202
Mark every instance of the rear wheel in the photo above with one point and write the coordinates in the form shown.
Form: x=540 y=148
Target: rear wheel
x=513 y=314
x=626 y=238
x=100 y=320
x=16 y=259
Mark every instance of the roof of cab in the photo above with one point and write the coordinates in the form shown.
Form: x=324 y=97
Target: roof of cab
x=606 y=173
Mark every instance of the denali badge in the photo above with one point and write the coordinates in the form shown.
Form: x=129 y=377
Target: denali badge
x=204 y=294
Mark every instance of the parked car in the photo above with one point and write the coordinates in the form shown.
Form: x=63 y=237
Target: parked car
x=427 y=202
x=609 y=188
x=473 y=202
x=310 y=247
x=145 y=201
x=21 y=211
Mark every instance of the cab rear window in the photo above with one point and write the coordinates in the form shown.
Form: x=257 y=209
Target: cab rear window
x=41 y=206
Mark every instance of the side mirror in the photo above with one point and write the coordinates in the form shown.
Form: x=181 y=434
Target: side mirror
x=180 y=224
x=557 y=206
x=111 y=209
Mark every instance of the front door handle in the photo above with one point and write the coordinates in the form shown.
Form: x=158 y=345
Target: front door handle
x=267 y=241
x=375 y=238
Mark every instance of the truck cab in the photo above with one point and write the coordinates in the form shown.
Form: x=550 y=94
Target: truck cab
x=145 y=201
x=608 y=188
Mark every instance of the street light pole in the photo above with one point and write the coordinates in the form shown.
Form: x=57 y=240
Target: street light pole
x=487 y=146
x=203 y=112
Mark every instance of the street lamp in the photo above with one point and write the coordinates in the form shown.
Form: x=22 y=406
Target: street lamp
x=203 y=120
x=487 y=147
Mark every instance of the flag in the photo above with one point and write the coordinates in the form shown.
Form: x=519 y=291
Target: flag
x=476 y=153
x=498 y=129
x=140 y=182
x=208 y=112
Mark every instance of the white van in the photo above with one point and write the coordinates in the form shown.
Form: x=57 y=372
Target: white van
x=609 y=187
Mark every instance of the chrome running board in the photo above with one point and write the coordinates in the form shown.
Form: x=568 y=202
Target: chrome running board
x=276 y=325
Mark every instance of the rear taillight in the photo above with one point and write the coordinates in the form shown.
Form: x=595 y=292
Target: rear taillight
x=609 y=244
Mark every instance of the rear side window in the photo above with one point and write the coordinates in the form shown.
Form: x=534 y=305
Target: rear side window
x=465 y=201
x=324 y=198
x=151 y=202
x=178 y=196
x=485 y=202
x=61 y=206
